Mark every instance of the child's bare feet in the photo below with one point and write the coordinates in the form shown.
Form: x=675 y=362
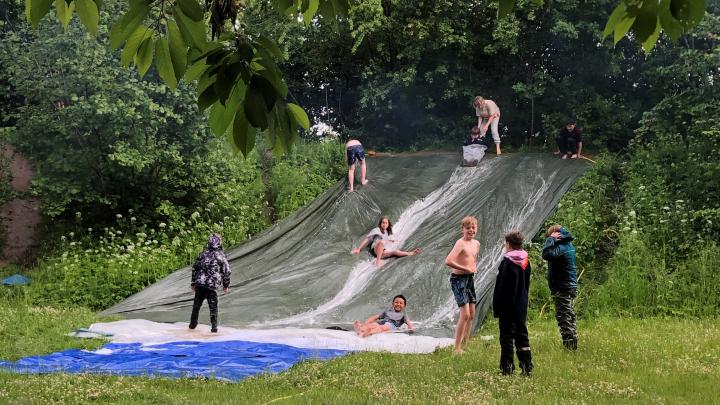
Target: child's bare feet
x=350 y=190
x=458 y=352
x=379 y=263
x=364 y=182
x=358 y=327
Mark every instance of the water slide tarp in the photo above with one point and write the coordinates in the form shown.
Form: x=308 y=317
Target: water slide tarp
x=298 y=278
x=300 y=273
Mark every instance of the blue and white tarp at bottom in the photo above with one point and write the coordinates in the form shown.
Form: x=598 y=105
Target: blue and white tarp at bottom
x=144 y=348
x=229 y=360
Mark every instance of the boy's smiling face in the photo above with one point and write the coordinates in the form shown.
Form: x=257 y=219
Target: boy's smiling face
x=398 y=304
x=468 y=232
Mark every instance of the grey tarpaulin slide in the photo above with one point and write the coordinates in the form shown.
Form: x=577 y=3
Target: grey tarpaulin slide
x=300 y=272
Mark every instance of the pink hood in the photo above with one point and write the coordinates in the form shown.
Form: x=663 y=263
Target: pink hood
x=519 y=257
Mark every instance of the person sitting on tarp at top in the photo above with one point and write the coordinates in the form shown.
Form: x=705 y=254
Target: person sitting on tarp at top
x=209 y=272
x=475 y=138
x=355 y=152
x=377 y=240
x=488 y=115
x=389 y=320
x=569 y=141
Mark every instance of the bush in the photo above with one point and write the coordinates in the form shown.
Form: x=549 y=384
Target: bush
x=99 y=267
x=305 y=173
x=642 y=283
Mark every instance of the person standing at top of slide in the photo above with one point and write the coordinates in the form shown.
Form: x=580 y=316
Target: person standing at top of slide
x=355 y=152
x=488 y=115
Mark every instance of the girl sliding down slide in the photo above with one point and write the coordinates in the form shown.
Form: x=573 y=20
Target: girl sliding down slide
x=378 y=239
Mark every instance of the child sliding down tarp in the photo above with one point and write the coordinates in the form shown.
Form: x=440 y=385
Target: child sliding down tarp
x=473 y=154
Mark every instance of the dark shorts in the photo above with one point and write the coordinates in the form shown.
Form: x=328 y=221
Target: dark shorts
x=355 y=153
x=463 y=288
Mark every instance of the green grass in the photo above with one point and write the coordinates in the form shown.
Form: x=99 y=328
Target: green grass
x=620 y=360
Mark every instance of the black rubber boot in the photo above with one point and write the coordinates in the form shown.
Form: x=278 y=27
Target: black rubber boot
x=570 y=344
x=525 y=361
x=507 y=363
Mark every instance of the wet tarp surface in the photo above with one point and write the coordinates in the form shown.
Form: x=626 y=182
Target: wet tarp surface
x=300 y=273
x=227 y=360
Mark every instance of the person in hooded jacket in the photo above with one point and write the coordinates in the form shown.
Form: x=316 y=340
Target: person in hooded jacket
x=559 y=252
x=210 y=272
x=510 y=303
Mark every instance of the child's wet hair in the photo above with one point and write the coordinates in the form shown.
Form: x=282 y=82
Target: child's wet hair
x=515 y=239
x=475 y=130
x=468 y=221
x=553 y=229
x=400 y=296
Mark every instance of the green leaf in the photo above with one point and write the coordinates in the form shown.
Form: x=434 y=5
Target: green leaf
x=262 y=86
x=538 y=3
x=178 y=49
x=197 y=69
x=255 y=108
x=163 y=62
x=64 y=12
x=505 y=7
x=271 y=72
x=284 y=7
x=652 y=39
x=617 y=15
x=270 y=46
x=192 y=9
x=645 y=24
x=222 y=115
x=122 y=29
x=671 y=26
x=311 y=10
x=697 y=11
x=623 y=27
x=227 y=76
x=243 y=137
x=341 y=7
x=207 y=98
x=193 y=33
x=37 y=10
x=88 y=12
x=299 y=115
x=140 y=34
x=144 y=56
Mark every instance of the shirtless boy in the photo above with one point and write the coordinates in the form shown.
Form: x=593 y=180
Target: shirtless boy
x=463 y=261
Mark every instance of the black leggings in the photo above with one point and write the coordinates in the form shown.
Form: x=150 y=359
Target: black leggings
x=201 y=294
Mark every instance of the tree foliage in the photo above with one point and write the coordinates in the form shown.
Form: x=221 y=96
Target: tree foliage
x=103 y=141
x=238 y=76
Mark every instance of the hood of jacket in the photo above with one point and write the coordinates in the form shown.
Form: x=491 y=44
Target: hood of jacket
x=519 y=257
x=214 y=242
x=565 y=235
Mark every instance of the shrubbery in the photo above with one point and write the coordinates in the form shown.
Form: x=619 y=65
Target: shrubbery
x=304 y=174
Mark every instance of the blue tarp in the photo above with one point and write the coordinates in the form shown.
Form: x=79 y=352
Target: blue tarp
x=227 y=360
x=16 y=279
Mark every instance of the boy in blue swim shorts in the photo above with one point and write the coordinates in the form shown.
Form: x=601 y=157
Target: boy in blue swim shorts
x=463 y=261
x=389 y=320
x=355 y=152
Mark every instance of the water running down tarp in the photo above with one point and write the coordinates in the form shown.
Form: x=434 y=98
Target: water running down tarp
x=300 y=272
